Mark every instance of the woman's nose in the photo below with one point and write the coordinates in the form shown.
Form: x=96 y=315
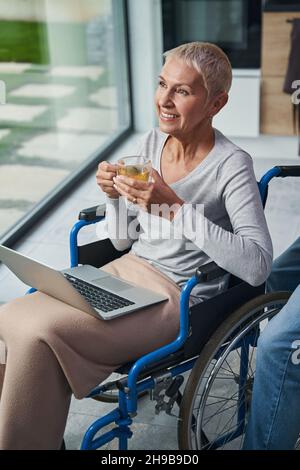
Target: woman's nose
x=165 y=98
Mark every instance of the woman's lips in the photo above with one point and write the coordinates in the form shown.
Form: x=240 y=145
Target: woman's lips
x=168 y=116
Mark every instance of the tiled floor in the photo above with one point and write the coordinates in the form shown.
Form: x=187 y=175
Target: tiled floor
x=49 y=243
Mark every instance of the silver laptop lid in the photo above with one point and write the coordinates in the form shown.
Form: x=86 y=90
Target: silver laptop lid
x=44 y=278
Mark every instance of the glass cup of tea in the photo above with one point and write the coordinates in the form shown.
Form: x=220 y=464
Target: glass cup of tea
x=136 y=167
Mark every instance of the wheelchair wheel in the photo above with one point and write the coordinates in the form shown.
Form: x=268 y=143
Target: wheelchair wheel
x=214 y=409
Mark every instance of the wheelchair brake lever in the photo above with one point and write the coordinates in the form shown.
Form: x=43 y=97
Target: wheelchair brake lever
x=166 y=386
x=172 y=392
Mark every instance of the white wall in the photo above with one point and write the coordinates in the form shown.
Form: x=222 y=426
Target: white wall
x=240 y=116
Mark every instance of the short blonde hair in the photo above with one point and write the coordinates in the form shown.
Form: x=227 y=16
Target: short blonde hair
x=210 y=61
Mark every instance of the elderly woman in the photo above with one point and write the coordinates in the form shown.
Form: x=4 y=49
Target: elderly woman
x=55 y=350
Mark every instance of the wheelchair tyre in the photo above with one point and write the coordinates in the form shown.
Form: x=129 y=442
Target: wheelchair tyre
x=108 y=397
x=214 y=409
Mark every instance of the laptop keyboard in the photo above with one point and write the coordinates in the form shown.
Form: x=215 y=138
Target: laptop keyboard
x=98 y=297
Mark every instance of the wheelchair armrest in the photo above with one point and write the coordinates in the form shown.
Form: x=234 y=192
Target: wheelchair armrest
x=92 y=213
x=209 y=271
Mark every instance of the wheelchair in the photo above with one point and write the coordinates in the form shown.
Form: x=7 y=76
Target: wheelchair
x=215 y=346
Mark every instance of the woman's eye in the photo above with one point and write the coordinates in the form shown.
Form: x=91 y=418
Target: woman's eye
x=182 y=92
x=161 y=84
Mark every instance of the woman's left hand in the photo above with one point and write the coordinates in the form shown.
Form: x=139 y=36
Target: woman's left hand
x=149 y=195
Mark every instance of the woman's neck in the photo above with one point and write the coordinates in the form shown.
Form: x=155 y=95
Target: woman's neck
x=190 y=149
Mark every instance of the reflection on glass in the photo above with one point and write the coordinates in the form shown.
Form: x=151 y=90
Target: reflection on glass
x=216 y=21
x=63 y=66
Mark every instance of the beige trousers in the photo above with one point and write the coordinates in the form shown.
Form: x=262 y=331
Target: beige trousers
x=54 y=350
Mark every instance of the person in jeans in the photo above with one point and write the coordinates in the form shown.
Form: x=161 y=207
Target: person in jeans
x=274 y=421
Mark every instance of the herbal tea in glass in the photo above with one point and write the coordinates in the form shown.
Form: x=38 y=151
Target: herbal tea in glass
x=135 y=167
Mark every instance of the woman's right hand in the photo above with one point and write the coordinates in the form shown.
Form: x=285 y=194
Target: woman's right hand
x=104 y=176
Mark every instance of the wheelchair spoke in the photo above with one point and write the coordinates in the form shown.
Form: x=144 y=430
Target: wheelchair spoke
x=226 y=400
x=219 y=401
x=233 y=373
x=227 y=370
x=218 y=396
x=221 y=409
x=218 y=412
x=227 y=377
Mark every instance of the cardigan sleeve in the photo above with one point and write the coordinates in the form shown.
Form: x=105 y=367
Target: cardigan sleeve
x=245 y=249
x=121 y=223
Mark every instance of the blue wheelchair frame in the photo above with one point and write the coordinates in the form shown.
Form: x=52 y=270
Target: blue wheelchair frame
x=128 y=387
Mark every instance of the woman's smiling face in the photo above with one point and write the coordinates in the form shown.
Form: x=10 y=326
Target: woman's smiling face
x=181 y=99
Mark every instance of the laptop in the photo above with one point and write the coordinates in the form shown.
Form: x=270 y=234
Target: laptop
x=85 y=287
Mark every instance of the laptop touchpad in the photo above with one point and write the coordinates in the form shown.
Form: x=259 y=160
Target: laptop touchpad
x=111 y=283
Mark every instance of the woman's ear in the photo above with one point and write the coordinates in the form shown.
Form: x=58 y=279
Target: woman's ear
x=218 y=103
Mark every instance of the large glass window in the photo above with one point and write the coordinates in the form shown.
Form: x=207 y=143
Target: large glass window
x=65 y=70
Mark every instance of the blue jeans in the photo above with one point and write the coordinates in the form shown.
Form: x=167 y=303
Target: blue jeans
x=285 y=273
x=274 y=421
